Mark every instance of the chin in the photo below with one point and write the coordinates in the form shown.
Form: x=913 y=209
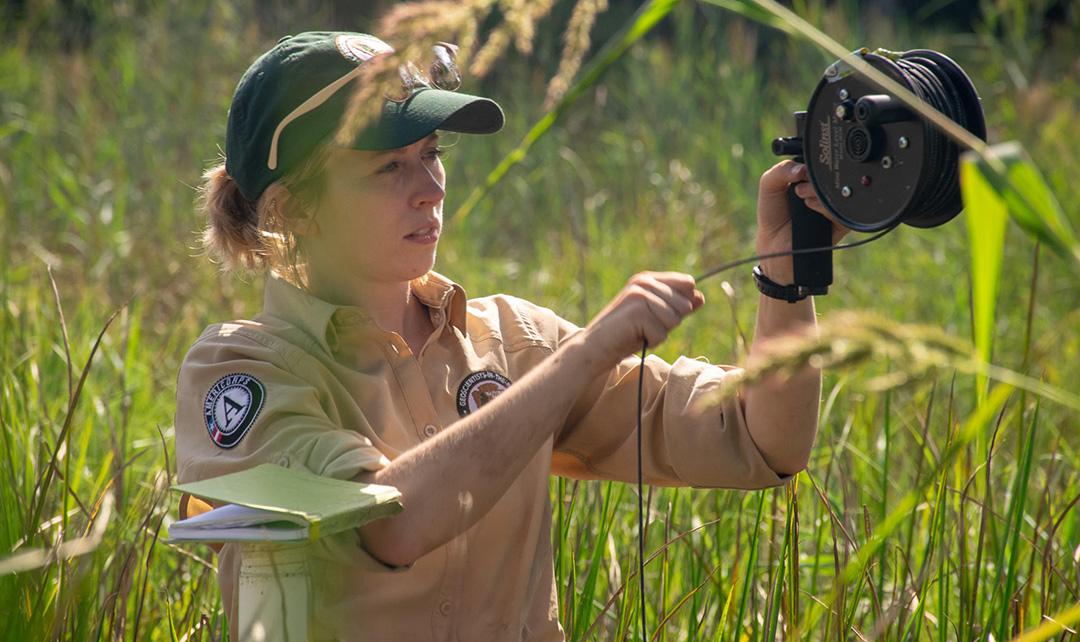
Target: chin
x=419 y=269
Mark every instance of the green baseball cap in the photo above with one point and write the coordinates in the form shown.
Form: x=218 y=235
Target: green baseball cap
x=292 y=99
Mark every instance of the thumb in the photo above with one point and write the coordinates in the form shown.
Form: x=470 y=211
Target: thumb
x=780 y=176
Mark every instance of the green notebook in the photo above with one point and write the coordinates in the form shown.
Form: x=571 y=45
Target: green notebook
x=273 y=503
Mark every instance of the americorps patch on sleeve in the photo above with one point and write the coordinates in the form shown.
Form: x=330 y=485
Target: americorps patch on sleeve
x=231 y=406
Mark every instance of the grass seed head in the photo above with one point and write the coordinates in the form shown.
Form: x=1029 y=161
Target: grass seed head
x=575 y=46
x=848 y=340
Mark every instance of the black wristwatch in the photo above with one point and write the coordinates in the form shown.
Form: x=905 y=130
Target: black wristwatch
x=790 y=293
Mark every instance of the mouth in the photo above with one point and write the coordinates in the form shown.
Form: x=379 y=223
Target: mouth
x=424 y=235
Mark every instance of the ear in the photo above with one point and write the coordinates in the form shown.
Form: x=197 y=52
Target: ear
x=294 y=216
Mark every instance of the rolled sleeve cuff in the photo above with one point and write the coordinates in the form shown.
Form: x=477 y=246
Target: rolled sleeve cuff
x=713 y=447
x=349 y=456
x=345 y=549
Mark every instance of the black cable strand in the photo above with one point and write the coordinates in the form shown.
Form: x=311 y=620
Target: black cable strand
x=641 y=382
x=641 y=492
x=806 y=250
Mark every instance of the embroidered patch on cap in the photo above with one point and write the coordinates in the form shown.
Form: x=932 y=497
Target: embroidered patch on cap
x=479 y=388
x=231 y=407
x=361 y=47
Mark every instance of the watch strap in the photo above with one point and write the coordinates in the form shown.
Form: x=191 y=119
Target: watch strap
x=790 y=293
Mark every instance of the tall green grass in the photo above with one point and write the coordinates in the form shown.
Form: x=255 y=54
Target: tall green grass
x=928 y=511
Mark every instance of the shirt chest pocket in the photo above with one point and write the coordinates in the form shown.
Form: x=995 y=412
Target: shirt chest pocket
x=488 y=366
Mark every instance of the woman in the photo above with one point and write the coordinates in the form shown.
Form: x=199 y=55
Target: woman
x=365 y=364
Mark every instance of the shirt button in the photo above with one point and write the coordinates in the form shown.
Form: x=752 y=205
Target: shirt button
x=430 y=430
x=446 y=607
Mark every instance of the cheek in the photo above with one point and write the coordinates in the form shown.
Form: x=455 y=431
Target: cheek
x=364 y=228
x=344 y=220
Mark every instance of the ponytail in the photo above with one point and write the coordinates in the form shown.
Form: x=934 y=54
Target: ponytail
x=232 y=234
x=242 y=234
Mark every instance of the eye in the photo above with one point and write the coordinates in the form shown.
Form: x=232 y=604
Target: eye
x=435 y=152
x=388 y=168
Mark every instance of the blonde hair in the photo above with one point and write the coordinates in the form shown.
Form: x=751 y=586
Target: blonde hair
x=253 y=236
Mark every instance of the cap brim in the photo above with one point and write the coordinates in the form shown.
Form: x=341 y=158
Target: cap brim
x=424 y=112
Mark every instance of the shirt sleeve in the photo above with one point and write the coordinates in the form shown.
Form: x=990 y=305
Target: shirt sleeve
x=239 y=404
x=688 y=437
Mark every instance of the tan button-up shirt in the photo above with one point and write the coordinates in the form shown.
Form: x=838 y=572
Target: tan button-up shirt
x=323 y=387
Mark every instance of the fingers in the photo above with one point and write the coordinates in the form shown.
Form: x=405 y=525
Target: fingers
x=668 y=313
x=782 y=175
x=668 y=297
x=808 y=194
x=805 y=190
x=663 y=321
x=675 y=288
x=776 y=179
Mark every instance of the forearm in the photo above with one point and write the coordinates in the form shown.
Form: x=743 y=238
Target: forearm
x=782 y=412
x=452 y=480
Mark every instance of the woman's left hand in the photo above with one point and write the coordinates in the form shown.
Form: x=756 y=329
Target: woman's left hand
x=774 y=217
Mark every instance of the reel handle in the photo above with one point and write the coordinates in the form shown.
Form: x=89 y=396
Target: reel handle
x=813 y=270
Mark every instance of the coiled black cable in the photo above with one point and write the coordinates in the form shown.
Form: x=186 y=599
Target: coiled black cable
x=934 y=79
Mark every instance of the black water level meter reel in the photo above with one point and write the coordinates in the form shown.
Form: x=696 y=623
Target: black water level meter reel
x=873 y=161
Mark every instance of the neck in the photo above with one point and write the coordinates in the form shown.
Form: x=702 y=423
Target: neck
x=391 y=303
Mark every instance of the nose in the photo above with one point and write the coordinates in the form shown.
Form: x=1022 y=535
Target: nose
x=428 y=187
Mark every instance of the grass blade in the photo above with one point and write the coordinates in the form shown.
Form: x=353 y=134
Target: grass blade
x=1016 y=514
x=857 y=566
x=1009 y=171
x=42 y=489
x=640 y=24
x=985 y=214
x=1052 y=626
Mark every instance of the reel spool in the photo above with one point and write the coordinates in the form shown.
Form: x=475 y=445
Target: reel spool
x=874 y=162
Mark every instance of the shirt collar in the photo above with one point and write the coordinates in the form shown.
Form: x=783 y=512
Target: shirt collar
x=440 y=293
x=285 y=301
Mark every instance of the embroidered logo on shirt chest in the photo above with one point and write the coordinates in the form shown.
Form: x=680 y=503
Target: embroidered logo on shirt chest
x=231 y=406
x=478 y=389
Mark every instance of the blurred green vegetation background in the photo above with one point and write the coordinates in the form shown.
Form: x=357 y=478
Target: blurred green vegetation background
x=110 y=111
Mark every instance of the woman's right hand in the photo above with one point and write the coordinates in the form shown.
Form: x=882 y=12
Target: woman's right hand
x=648 y=308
